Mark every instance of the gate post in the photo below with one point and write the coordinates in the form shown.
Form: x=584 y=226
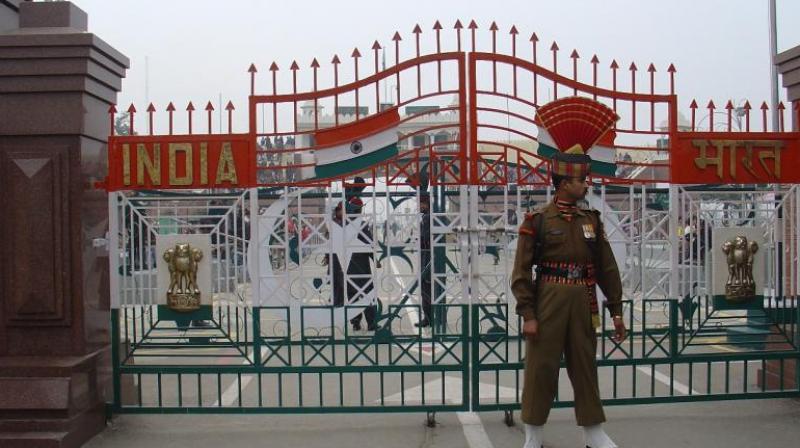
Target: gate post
x=58 y=83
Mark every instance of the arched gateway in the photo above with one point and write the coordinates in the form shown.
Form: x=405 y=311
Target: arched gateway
x=279 y=278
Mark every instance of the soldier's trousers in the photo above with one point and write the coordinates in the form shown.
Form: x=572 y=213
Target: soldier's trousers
x=565 y=326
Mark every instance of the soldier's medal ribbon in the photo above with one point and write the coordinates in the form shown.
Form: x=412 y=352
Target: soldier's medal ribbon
x=588 y=231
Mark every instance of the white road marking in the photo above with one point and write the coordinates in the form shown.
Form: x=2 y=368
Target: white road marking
x=453 y=388
x=474 y=431
x=664 y=379
x=471 y=424
x=231 y=393
x=413 y=316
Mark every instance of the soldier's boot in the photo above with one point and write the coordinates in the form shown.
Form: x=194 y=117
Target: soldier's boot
x=596 y=437
x=534 y=436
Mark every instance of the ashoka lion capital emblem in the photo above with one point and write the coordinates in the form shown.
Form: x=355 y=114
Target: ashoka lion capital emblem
x=183 y=293
x=740 y=255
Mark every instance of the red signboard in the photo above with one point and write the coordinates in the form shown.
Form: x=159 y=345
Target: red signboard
x=179 y=162
x=735 y=158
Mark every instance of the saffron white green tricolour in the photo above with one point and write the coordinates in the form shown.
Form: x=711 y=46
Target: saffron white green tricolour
x=357 y=145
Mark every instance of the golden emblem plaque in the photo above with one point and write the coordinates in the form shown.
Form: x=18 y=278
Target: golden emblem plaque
x=739 y=255
x=183 y=295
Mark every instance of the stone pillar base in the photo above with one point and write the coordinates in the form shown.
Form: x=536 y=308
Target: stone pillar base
x=56 y=401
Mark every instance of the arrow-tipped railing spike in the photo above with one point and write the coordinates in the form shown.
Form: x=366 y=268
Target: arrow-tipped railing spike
x=472 y=27
x=458 y=27
x=189 y=110
x=747 y=107
x=710 y=106
x=614 y=66
x=252 y=70
x=574 y=56
x=131 y=112
x=150 y=110
x=112 y=110
x=594 y=61
x=671 y=70
x=437 y=27
x=729 y=108
x=210 y=111
x=274 y=69
x=781 y=109
x=170 y=109
x=513 y=33
x=229 y=107
x=294 y=68
x=797 y=115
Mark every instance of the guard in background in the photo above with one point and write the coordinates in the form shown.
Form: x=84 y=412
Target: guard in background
x=569 y=248
x=360 y=284
x=425 y=260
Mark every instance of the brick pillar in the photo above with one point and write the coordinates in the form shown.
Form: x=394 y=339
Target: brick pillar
x=57 y=82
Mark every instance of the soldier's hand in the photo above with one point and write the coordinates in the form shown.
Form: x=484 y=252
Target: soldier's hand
x=530 y=329
x=620 y=332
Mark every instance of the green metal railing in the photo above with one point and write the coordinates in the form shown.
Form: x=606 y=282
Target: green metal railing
x=163 y=368
x=253 y=361
x=667 y=357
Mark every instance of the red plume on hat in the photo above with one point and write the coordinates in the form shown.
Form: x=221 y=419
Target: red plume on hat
x=575 y=121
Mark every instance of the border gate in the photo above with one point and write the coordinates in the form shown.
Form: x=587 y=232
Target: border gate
x=268 y=335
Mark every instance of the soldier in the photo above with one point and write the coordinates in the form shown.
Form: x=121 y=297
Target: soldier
x=572 y=255
x=425 y=260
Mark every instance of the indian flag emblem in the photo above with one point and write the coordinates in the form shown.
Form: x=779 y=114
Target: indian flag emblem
x=357 y=145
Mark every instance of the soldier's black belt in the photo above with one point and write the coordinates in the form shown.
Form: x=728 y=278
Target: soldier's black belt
x=565 y=271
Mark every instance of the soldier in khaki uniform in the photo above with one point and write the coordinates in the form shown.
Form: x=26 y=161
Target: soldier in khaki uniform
x=569 y=248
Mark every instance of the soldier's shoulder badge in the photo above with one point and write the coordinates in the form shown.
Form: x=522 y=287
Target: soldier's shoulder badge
x=527 y=227
x=532 y=214
x=593 y=211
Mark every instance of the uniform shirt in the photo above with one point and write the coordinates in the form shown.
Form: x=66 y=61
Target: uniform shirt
x=566 y=240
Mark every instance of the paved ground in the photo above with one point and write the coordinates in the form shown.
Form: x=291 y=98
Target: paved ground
x=762 y=423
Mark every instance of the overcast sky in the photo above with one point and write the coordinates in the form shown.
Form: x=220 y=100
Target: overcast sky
x=199 y=49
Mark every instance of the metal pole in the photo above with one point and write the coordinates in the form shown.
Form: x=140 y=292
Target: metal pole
x=773 y=52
